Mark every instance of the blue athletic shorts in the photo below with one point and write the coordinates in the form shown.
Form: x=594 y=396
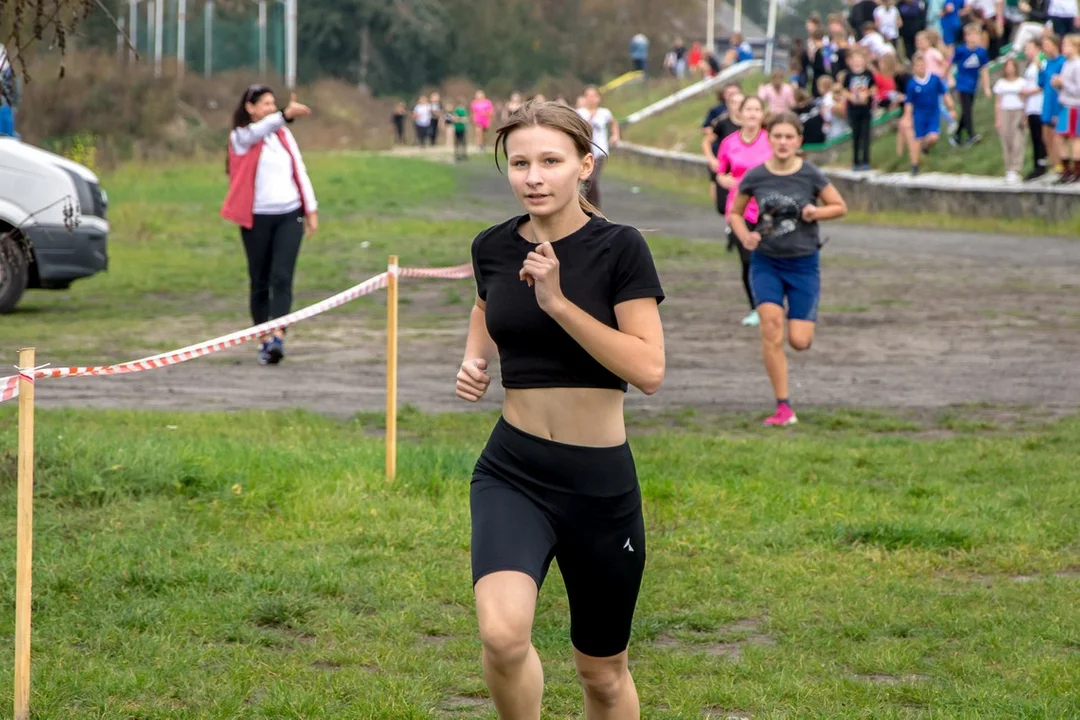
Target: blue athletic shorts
x=798 y=279
x=927 y=124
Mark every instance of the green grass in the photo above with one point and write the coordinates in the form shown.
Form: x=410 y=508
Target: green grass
x=174 y=261
x=679 y=128
x=848 y=569
x=691 y=188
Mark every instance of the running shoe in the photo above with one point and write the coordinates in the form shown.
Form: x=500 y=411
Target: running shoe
x=751 y=320
x=784 y=416
x=264 y=353
x=275 y=350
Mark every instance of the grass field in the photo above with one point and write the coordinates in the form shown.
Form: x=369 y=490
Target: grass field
x=259 y=566
x=693 y=189
x=869 y=564
x=172 y=257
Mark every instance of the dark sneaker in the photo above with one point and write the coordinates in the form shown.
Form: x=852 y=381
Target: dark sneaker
x=275 y=350
x=264 y=353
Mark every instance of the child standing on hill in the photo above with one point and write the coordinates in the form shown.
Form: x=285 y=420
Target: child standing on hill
x=1033 y=104
x=971 y=60
x=1068 y=127
x=859 y=91
x=1009 y=118
x=1053 y=66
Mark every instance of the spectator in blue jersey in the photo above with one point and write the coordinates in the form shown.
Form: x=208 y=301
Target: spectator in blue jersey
x=951 y=22
x=971 y=61
x=639 y=52
x=1053 y=66
x=922 y=110
x=740 y=51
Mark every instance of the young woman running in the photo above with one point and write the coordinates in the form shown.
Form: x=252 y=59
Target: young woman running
x=740 y=152
x=785 y=244
x=569 y=302
x=270 y=197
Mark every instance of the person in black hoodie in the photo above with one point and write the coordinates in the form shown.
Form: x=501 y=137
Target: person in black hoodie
x=862 y=12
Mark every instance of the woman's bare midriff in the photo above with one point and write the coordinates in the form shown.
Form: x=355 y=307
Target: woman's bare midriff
x=590 y=417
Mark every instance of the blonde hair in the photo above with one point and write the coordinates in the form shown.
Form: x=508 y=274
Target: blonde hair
x=554 y=116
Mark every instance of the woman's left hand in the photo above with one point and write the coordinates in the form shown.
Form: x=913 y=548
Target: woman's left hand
x=541 y=271
x=810 y=213
x=311 y=223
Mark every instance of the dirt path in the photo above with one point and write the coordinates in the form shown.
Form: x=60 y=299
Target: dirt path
x=910 y=319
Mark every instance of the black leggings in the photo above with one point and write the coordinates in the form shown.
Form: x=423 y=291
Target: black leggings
x=861 y=133
x=1038 y=144
x=744 y=258
x=272 y=246
x=534 y=500
x=967 y=115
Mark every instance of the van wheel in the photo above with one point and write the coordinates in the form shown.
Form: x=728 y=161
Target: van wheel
x=14 y=271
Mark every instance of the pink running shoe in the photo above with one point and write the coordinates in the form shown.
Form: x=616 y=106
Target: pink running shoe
x=784 y=416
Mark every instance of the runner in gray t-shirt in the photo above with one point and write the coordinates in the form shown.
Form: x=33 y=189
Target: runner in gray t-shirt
x=792 y=197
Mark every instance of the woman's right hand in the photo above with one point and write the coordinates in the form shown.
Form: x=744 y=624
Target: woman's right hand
x=294 y=109
x=472 y=380
x=753 y=239
x=726 y=181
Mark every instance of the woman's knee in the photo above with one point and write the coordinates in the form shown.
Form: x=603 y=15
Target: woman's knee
x=772 y=329
x=800 y=343
x=605 y=686
x=506 y=642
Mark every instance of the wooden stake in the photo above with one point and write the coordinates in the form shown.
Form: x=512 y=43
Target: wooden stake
x=25 y=535
x=391 y=367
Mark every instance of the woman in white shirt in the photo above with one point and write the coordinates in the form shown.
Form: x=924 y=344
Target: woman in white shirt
x=422 y=118
x=1010 y=118
x=1034 y=107
x=605 y=133
x=270 y=197
x=888 y=20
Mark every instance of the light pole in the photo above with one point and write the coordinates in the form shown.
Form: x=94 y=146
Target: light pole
x=133 y=29
x=208 y=37
x=159 y=30
x=710 y=26
x=290 y=44
x=262 y=38
x=181 y=36
x=770 y=36
x=738 y=17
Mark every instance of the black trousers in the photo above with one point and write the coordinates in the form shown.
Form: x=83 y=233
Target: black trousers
x=967 y=115
x=744 y=258
x=861 y=133
x=272 y=246
x=1038 y=145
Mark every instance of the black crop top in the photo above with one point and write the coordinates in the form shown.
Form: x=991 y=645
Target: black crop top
x=600 y=266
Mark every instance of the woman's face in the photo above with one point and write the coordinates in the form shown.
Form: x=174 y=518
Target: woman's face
x=545 y=170
x=752 y=113
x=263 y=106
x=592 y=99
x=785 y=141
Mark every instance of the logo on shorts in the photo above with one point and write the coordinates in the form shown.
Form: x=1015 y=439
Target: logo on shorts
x=628 y=546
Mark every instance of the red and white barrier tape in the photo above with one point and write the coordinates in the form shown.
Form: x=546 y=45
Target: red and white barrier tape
x=9 y=386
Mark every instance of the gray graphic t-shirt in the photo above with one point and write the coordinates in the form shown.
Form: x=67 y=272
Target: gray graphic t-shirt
x=780 y=200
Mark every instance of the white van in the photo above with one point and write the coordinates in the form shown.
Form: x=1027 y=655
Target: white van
x=53 y=228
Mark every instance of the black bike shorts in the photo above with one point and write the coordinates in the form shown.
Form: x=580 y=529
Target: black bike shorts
x=534 y=499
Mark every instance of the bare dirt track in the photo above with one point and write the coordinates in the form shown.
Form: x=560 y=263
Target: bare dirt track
x=909 y=319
